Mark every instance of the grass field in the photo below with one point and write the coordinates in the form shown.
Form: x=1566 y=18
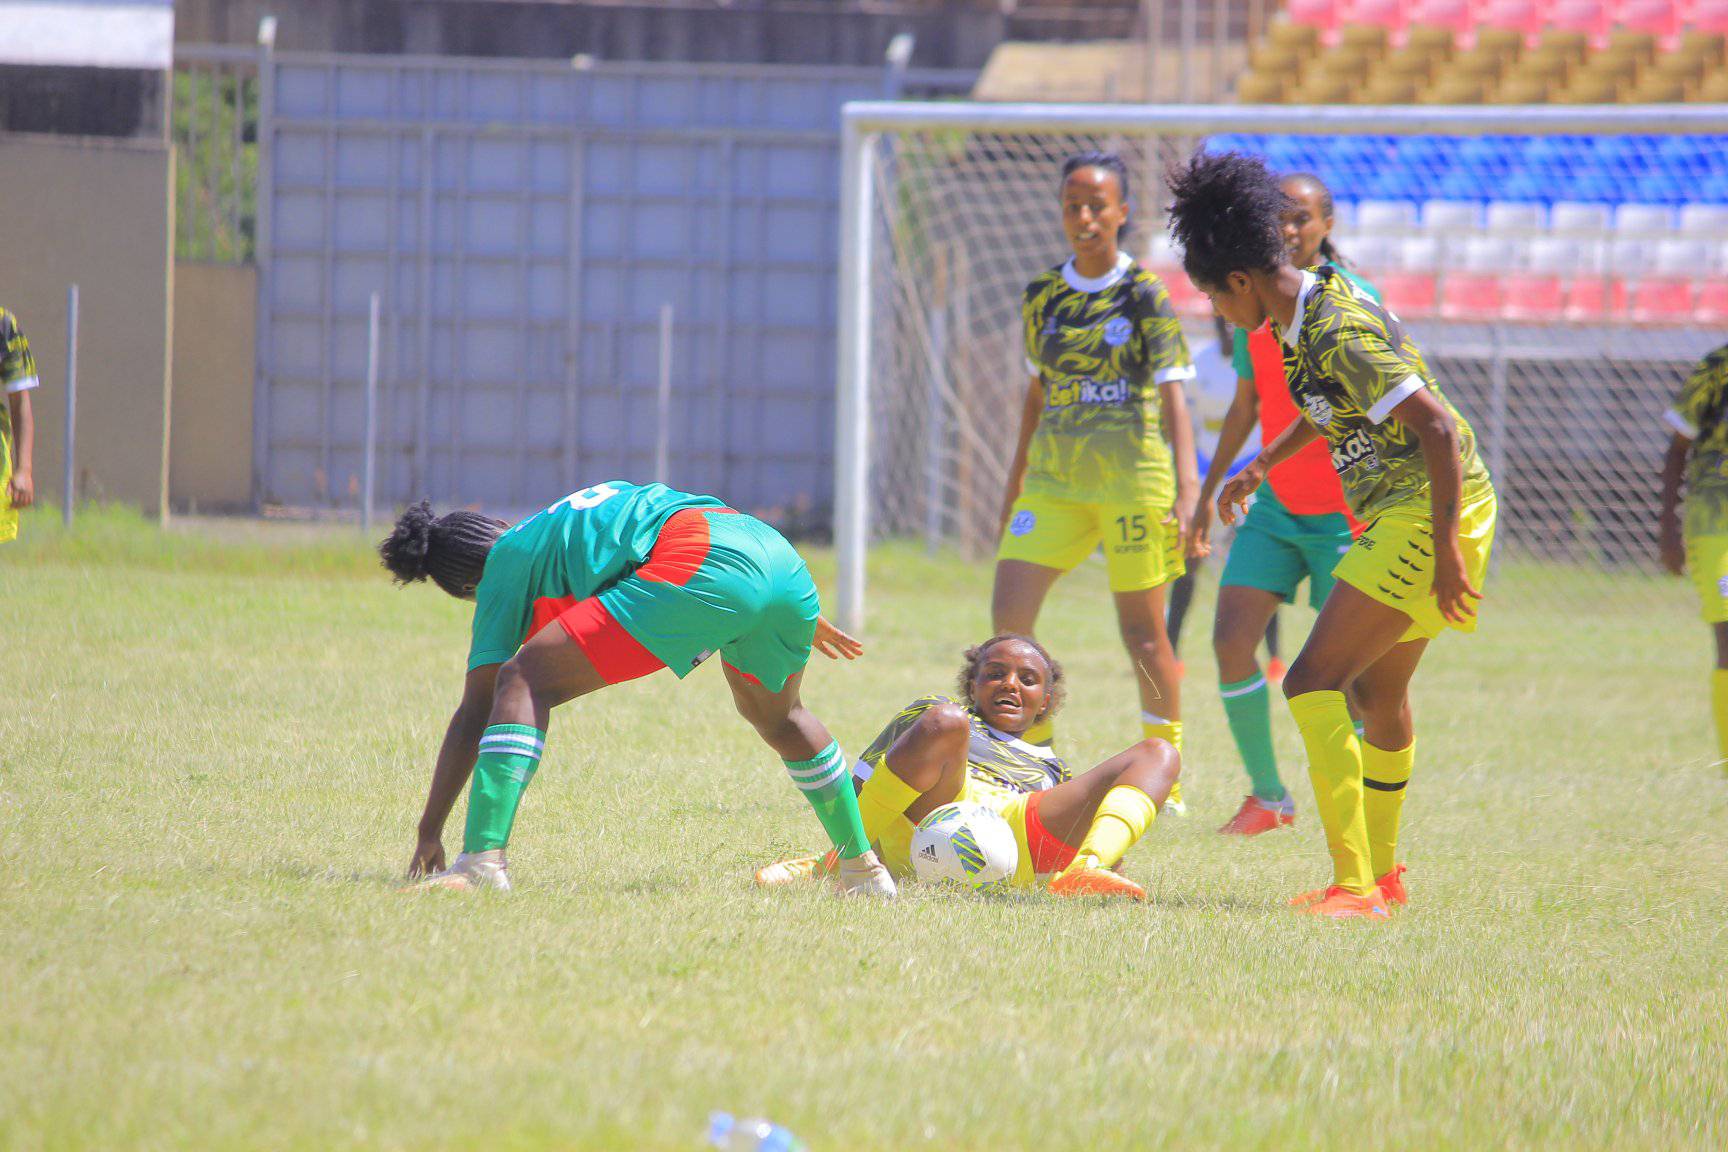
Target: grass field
x=214 y=745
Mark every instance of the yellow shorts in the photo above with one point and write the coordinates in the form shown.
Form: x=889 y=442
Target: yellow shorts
x=8 y=514
x=895 y=847
x=1393 y=562
x=1141 y=550
x=1707 y=560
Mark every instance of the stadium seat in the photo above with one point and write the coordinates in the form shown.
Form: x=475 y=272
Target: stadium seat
x=1451 y=216
x=1643 y=219
x=1593 y=18
x=1710 y=307
x=1566 y=255
x=1575 y=216
x=1528 y=296
x=1518 y=218
x=1385 y=216
x=1683 y=257
x=1409 y=294
x=1484 y=254
x=1325 y=17
x=1594 y=297
x=1374 y=252
x=1442 y=24
x=1519 y=22
x=1703 y=219
x=1418 y=254
x=1662 y=300
x=1470 y=296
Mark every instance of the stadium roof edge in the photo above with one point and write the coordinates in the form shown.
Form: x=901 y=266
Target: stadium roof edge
x=1209 y=119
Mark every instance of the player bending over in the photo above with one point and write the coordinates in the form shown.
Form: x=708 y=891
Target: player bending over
x=637 y=577
x=1699 y=451
x=1410 y=472
x=938 y=751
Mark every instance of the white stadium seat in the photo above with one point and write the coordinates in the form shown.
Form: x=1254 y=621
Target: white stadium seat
x=1643 y=219
x=1385 y=216
x=1579 y=216
x=1442 y=216
x=1516 y=217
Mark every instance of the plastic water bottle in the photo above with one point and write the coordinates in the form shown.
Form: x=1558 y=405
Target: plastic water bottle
x=750 y=1135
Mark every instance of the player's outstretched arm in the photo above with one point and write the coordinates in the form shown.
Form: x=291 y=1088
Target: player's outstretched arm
x=455 y=764
x=1668 y=521
x=1238 y=423
x=1242 y=485
x=835 y=644
x=1180 y=432
x=22 y=488
x=1029 y=413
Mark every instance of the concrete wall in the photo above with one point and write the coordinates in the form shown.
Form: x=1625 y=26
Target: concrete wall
x=96 y=213
x=210 y=447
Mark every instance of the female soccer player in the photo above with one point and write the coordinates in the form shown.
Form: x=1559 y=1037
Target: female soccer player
x=1297 y=529
x=637 y=578
x=1699 y=451
x=1410 y=472
x=1107 y=361
x=938 y=750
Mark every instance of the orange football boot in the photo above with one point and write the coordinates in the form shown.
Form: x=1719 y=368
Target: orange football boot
x=1257 y=816
x=1339 y=903
x=1090 y=880
x=1392 y=886
x=1275 y=669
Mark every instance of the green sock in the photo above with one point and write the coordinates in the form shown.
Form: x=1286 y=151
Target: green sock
x=826 y=782
x=509 y=754
x=1248 y=707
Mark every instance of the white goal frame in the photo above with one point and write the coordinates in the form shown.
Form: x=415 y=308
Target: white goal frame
x=864 y=123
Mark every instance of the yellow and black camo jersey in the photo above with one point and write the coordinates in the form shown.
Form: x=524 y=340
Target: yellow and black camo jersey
x=1701 y=413
x=991 y=756
x=1349 y=362
x=17 y=372
x=1103 y=348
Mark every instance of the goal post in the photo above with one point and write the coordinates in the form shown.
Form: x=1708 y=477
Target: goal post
x=1559 y=303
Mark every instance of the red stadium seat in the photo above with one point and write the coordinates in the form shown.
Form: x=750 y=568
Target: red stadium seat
x=1525 y=296
x=1594 y=297
x=1524 y=17
x=1409 y=294
x=1710 y=16
x=1455 y=16
x=1325 y=15
x=1662 y=300
x=1711 y=306
x=1659 y=18
x=1471 y=296
x=1593 y=18
x=1392 y=15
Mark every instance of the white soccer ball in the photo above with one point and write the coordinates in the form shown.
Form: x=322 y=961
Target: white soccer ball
x=964 y=843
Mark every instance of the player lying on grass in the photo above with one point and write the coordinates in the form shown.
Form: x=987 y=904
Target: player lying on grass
x=1410 y=472
x=636 y=578
x=938 y=750
x=1698 y=452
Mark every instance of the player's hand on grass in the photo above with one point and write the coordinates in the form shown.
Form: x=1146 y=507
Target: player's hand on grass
x=22 y=490
x=1673 y=549
x=1200 y=531
x=428 y=857
x=835 y=644
x=1238 y=489
x=1452 y=588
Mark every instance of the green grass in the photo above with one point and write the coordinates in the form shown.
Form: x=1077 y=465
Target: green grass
x=214 y=744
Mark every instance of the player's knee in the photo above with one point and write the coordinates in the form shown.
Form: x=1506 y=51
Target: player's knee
x=1142 y=640
x=1303 y=677
x=1159 y=754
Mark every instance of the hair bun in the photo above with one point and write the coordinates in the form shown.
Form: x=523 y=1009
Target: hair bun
x=404 y=552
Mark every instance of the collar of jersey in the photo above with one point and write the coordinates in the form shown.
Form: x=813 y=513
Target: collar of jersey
x=1098 y=283
x=1036 y=751
x=1289 y=335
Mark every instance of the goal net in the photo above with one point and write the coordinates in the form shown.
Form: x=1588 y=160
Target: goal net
x=1562 y=269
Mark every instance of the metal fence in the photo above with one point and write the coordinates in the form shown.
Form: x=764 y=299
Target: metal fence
x=526 y=225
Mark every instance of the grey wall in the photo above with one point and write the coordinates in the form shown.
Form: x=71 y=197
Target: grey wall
x=524 y=224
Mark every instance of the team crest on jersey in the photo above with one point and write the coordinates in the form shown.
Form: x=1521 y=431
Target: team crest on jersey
x=1022 y=523
x=1318 y=409
x=1117 y=331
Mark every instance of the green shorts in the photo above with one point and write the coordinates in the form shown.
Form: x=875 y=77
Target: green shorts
x=1275 y=549
x=716 y=581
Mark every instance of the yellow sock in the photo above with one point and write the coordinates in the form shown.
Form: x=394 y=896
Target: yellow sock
x=1121 y=819
x=1335 y=768
x=1155 y=727
x=1719 y=704
x=1043 y=732
x=1384 y=775
x=884 y=801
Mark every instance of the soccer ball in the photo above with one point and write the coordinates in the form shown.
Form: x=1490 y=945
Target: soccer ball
x=966 y=844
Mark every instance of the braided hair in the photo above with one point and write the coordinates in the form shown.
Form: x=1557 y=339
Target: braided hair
x=451 y=548
x=976 y=655
x=1328 y=251
x=1227 y=214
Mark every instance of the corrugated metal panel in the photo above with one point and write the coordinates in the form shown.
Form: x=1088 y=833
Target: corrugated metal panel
x=525 y=224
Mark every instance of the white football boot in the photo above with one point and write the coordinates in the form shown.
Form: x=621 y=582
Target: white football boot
x=473 y=872
x=865 y=876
